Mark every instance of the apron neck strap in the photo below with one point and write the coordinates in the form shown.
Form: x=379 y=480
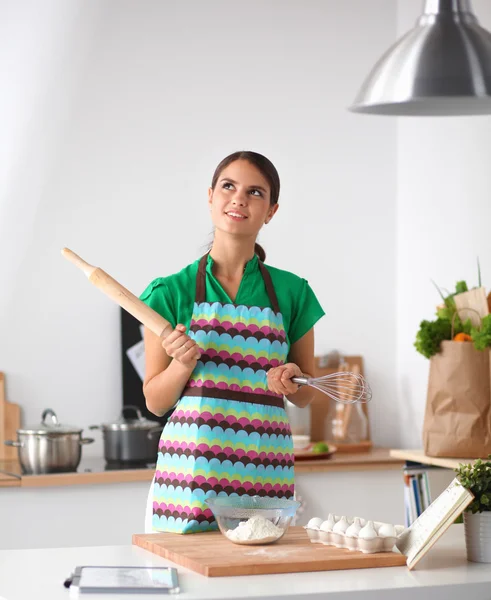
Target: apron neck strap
x=201 y=283
x=201 y=280
x=268 y=282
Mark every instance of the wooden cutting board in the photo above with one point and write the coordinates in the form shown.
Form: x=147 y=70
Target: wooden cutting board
x=211 y=554
x=9 y=423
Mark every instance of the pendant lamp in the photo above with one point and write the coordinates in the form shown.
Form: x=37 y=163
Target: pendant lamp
x=442 y=67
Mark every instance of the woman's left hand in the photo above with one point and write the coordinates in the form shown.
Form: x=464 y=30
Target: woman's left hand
x=280 y=379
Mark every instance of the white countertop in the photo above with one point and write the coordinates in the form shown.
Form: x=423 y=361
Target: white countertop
x=39 y=574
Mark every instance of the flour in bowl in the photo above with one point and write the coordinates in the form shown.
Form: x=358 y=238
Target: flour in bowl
x=255 y=528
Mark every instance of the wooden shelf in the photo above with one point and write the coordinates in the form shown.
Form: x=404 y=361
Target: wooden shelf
x=377 y=459
x=420 y=457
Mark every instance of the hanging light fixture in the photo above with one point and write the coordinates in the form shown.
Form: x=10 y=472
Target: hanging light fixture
x=442 y=67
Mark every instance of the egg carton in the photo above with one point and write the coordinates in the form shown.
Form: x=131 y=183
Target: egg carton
x=354 y=533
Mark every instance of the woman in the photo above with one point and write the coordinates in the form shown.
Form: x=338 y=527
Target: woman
x=241 y=332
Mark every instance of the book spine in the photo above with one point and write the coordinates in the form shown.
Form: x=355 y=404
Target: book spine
x=412 y=502
x=407 y=506
x=426 y=490
x=422 y=497
x=417 y=498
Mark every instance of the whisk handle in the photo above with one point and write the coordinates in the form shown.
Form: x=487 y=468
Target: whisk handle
x=301 y=380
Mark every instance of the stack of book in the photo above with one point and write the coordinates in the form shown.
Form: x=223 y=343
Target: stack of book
x=417 y=495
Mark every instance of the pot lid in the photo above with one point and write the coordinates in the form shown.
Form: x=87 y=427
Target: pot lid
x=138 y=422
x=49 y=426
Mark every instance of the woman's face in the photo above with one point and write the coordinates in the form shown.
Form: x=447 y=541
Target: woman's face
x=240 y=202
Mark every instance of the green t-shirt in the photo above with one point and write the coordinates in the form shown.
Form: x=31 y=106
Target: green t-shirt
x=173 y=296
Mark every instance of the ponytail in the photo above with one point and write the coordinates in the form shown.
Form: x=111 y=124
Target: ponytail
x=259 y=250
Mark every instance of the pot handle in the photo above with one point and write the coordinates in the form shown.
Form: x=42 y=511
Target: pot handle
x=94 y=427
x=135 y=408
x=12 y=443
x=86 y=441
x=48 y=412
x=152 y=431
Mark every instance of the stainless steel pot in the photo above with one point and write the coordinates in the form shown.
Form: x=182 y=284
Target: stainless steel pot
x=129 y=440
x=49 y=447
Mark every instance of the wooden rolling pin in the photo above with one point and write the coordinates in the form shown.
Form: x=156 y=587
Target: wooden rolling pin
x=121 y=296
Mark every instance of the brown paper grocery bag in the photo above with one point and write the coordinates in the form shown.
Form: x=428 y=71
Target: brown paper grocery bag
x=458 y=405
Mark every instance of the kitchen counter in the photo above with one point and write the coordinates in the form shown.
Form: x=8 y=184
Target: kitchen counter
x=444 y=572
x=90 y=471
x=96 y=471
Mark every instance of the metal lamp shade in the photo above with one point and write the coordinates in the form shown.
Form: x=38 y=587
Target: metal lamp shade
x=442 y=67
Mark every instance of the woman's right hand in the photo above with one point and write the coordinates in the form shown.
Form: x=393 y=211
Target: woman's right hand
x=179 y=346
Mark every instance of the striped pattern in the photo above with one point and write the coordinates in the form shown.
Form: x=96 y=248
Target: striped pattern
x=238 y=346
x=213 y=447
x=230 y=435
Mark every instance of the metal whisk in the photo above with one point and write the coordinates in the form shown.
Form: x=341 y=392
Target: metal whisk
x=343 y=387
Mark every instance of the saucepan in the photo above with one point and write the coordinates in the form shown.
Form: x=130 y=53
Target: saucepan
x=130 y=439
x=49 y=446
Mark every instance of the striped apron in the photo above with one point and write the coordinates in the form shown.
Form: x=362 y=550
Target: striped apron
x=228 y=435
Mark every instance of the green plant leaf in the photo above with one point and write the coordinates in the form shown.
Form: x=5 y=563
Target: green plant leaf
x=438 y=290
x=476 y=478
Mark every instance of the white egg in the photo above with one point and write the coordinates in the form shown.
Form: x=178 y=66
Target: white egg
x=341 y=526
x=314 y=523
x=368 y=532
x=328 y=524
x=386 y=530
x=354 y=529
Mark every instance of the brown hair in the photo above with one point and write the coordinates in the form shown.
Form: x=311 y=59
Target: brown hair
x=267 y=169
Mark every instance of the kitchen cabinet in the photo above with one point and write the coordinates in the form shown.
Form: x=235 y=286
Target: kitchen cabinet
x=98 y=507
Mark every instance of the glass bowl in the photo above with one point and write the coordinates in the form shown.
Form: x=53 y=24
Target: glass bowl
x=252 y=520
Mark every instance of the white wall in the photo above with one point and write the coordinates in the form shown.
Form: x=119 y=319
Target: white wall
x=443 y=216
x=117 y=114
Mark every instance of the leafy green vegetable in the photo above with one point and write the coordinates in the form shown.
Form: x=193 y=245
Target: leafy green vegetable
x=448 y=310
x=432 y=333
x=445 y=313
x=482 y=336
x=430 y=336
x=459 y=327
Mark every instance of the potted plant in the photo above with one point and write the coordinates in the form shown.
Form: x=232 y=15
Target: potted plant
x=476 y=478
